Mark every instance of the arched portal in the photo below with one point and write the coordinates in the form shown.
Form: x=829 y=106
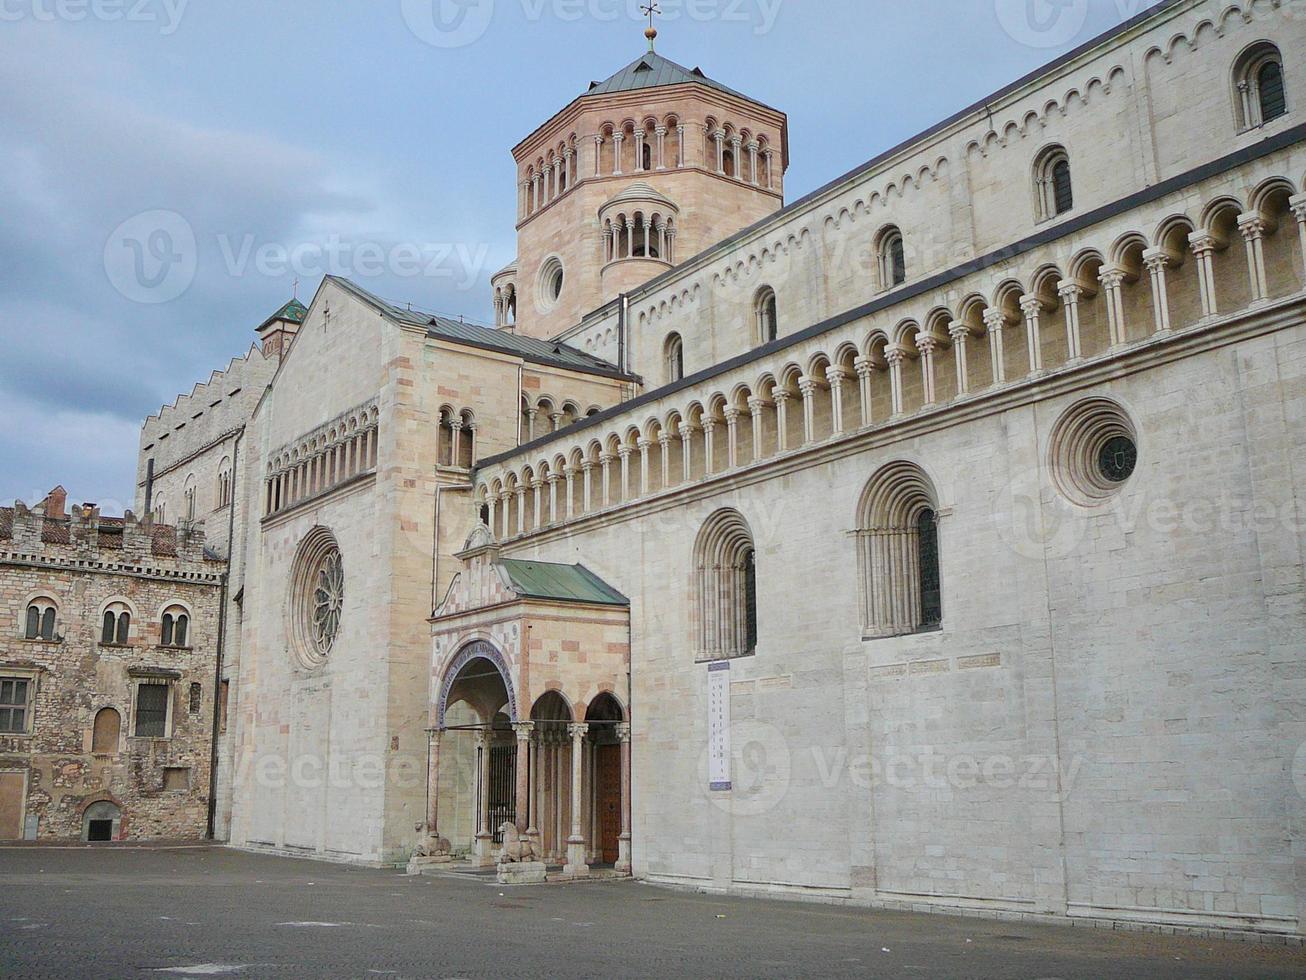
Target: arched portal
x=609 y=792
x=478 y=675
x=101 y=822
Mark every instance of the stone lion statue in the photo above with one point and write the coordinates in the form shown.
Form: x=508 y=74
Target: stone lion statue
x=516 y=848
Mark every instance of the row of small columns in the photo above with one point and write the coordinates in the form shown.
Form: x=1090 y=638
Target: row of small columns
x=549 y=183
x=528 y=775
x=659 y=154
x=927 y=346
x=326 y=469
x=737 y=145
x=457 y=427
x=619 y=240
x=504 y=302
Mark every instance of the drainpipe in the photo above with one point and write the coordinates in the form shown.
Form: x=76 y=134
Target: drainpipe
x=211 y=826
x=623 y=312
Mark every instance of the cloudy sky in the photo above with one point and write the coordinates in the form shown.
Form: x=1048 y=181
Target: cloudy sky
x=169 y=168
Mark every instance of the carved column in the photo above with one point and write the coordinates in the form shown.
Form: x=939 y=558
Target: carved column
x=436 y=849
x=645 y=485
x=605 y=463
x=569 y=169
x=1070 y=293
x=492 y=503
x=598 y=156
x=720 y=137
x=521 y=509
x=570 y=473
x=732 y=438
x=623 y=841
x=865 y=371
x=756 y=406
x=960 y=334
x=661 y=133
x=928 y=345
x=770 y=169
x=483 y=848
x=1253 y=227
x=1032 y=307
x=1204 y=245
x=587 y=468
x=835 y=377
x=680 y=145
x=617 y=140
x=782 y=418
x=536 y=487
x=576 y=864
x=625 y=452
x=753 y=147
x=556 y=420
x=505 y=512
x=664 y=441
x=554 y=480
x=896 y=356
x=687 y=449
x=525 y=731
x=737 y=148
x=1112 y=280
x=709 y=426
x=1156 y=260
x=807 y=388
x=1298 y=206
x=531 y=415
x=996 y=322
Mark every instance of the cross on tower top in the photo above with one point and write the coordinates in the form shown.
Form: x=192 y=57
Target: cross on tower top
x=652 y=9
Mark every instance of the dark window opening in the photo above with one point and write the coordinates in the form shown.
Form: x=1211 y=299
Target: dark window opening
x=1118 y=459
x=152 y=711
x=1062 y=191
x=750 y=602
x=13 y=705
x=927 y=530
x=1269 y=82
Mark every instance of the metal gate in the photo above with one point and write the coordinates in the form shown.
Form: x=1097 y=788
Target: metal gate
x=503 y=788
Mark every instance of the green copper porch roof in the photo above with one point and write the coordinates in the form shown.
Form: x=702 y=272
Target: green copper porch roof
x=292 y=312
x=560 y=583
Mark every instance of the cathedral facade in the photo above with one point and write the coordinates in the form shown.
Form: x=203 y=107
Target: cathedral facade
x=934 y=540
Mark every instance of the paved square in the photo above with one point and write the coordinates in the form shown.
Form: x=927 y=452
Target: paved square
x=211 y=911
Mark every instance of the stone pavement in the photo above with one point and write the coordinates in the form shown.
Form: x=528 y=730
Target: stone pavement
x=215 y=912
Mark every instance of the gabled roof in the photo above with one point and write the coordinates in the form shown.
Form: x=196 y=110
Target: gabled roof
x=486 y=338
x=651 y=70
x=292 y=312
x=560 y=583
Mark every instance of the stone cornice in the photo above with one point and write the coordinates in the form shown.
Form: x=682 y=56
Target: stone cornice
x=88 y=567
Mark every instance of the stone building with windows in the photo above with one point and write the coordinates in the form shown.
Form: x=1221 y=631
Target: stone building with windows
x=107 y=660
x=934 y=540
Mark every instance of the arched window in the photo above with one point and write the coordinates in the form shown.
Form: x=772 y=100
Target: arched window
x=176 y=627
x=898 y=553
x=40 y=623
x=1053 y=188
x=1260 y=95
x=725 y=588
x=188 y=498
x=646 y=154
x=115 y=629
x=224 y=483
x=105 y=735
x=892 y=259
x=674 y=356
x=764 y=310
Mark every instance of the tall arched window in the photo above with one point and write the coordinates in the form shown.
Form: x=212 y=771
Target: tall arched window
x=725 y=588
x=892 y=258
x=767 y=318
x=41 y=614
x=1260 y=95
x=224 y=483
x=674 y=357
x=115 y=629
x=176 y=627
x=898 y=553
x=188 y=497
x=1053 y=188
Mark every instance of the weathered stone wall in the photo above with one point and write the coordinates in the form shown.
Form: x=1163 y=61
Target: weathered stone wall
x=76 y=676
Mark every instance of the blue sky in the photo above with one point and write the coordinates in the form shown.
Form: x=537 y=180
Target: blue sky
x=370 y=137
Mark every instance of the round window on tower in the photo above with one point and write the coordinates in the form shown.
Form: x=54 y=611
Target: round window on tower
x=552 y=279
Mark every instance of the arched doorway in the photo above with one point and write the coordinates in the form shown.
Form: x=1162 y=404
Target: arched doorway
x=606 y=743
x=101 y=822
x=551 y=771
x=475 y=717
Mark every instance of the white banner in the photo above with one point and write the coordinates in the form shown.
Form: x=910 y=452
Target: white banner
x=718 y=727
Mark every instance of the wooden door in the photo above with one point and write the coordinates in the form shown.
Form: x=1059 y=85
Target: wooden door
x=609 y=799
x=13 y=788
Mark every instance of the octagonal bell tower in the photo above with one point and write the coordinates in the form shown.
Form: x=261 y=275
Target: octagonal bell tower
x=642 y=171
